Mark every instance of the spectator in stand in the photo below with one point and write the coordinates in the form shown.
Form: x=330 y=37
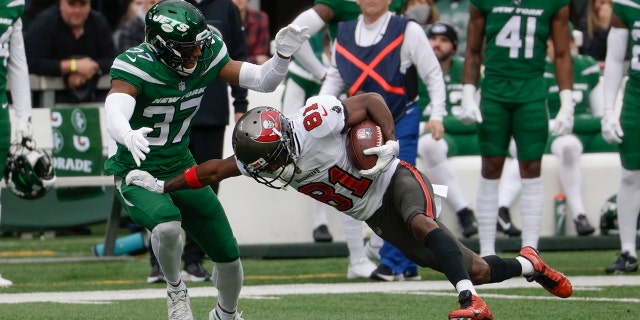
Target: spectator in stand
x=15 y=73
x=131 y=31
x=595 y=27
x=459 y=138
x=256 y=30
x=423 y=12
x=70 y=40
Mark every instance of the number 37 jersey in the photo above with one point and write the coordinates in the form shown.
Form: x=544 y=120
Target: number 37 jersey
x=325 y=172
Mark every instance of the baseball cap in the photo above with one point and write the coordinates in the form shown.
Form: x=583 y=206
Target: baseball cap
x=445 y=29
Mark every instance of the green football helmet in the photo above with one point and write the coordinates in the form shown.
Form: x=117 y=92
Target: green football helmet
x=263 y=142
x=29 y=171
x=609 y=217
x=174 y=30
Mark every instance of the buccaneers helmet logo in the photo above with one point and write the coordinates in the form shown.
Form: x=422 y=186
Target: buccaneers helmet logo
x=270 y=120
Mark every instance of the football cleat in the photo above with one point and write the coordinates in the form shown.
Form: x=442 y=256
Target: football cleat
x=385 y=273
x=583 y=227
x=471 y=308
x=215 y=315
x=322 y=234
x=550 y=279
x=361 y=269
x=468 y=222
x=505 y=225
x=178 y=305
x=624 y=263
x=195 y=272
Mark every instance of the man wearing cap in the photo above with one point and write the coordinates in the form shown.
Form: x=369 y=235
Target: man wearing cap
x=72 y=41
x=459 y=139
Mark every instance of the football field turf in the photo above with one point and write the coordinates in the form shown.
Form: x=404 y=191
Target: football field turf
x=60 y=280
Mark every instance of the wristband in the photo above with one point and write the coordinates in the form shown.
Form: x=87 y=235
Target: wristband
x=192 y=179
x=73 y=66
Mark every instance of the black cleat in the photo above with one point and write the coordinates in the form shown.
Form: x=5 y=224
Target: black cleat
x=504 y=223
x=583 y=228
x=322 y=234
x=468 y=222
x=624 y=263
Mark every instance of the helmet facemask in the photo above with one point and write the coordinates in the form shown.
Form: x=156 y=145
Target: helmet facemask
x=175 y=54
x=29 y=171
x=264 y=144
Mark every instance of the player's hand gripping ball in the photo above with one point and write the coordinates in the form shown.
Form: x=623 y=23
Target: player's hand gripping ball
x=363 y=136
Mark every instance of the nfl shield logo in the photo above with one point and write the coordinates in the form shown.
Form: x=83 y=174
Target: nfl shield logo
x=182 y=86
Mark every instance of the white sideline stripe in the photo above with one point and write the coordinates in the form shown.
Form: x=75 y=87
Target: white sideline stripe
x=266 y=291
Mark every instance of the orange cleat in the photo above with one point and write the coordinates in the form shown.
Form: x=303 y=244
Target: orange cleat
x=550 y=279
x=471 y=308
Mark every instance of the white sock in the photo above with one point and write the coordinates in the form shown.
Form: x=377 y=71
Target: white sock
x=628 y=208
x=319 y=214
x=510 y=184
x=443 y=174
x=353 y=236
x=180 y=287
x=466 y=284
x=487 y=215
x=568 y=150
x=166 y=242
x=527 y=266
x=227 y=278
x=531 y=203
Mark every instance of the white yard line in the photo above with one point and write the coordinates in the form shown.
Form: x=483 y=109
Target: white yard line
x=272 y=291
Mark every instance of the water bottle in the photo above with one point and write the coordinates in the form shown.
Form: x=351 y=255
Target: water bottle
x=560 y=206
x=131 y=244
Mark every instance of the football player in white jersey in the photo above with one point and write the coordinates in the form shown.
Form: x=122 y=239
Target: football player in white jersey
x=306 y=151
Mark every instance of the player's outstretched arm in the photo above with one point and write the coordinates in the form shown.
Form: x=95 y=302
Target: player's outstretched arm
x=198 y=176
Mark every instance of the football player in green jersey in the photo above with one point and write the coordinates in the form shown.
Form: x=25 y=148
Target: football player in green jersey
x=13 y=71
x=155 y=92
x=588 y=97
x=459 y=138
x=623 y=126
x=513 y=100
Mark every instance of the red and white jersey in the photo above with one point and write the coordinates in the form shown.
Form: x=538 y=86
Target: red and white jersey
x=324 y=170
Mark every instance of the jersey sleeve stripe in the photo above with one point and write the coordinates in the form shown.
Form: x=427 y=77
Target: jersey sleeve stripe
x=133 y=70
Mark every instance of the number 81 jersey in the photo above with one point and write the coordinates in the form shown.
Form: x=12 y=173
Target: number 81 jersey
x=166 y=102
x=325 y=172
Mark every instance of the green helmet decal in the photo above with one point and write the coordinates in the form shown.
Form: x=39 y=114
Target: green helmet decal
x=175 y=29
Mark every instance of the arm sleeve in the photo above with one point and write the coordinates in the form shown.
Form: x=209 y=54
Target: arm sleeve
x=333 y=84
x=305 y=55
x=118 y=109
x=417 y=47
x=19 y=73
x=265 y=77
x=614 y=71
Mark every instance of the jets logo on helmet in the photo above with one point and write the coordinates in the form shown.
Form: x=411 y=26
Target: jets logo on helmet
x=28 y=172
x=174 y=30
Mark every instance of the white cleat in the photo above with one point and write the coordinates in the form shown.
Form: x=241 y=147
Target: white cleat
x=5 y=283
x=179 y=305
x=362 y=269
x=214 y=315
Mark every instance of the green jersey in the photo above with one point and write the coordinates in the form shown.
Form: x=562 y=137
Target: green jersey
x=586 y=75
x=629 y=13
x=516 y=36
x=167 y=103
x=9 y=14
x=453 y=87
x=345 y=10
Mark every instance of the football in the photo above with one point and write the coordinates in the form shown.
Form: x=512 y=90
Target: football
x=363 y=136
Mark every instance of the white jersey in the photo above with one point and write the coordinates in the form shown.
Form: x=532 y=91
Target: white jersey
x=324 y=170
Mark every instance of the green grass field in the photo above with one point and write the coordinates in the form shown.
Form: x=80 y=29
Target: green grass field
x=288 y=288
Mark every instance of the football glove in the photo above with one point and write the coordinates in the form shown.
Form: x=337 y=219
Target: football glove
x=611 y=130
x=145 y=180
x=23 y=128
x=289 y=39
x=386 y=153
x=470 y=112
x=564 y=120
x=137 y=143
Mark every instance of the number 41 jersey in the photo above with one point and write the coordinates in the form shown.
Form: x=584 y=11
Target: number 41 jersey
x=166 y=102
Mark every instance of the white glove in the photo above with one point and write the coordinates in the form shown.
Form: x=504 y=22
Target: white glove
x=144 y=179
x=23 y=128
x=611 y=130
x=386 y=153
x=470 y=112
x=564 y=119
x=289 y=39
x=137 y=143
